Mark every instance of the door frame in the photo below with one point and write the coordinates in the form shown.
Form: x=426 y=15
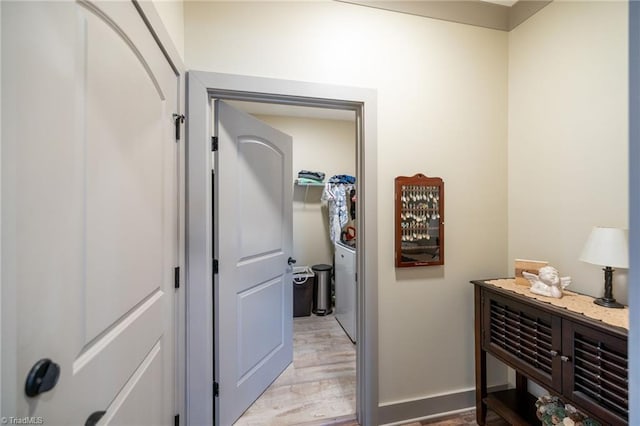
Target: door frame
x=202 y=87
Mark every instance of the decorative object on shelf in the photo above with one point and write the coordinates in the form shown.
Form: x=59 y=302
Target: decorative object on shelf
x=552 y=411
x=574 y=302
x=524 y=265
x=548 y=282
x=419 y=221
x=608 y=247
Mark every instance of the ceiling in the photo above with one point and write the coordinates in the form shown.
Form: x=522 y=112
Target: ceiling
x=508 y=3
x=261 y=108
x=503 y=15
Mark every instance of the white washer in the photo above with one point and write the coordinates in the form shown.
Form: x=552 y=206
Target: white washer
x=345 y=282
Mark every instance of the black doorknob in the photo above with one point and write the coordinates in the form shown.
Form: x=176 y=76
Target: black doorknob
x=291 y=261
x=94 y=418
x=42 y=377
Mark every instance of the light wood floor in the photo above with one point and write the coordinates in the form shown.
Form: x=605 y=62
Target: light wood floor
x=463 y=419
x=319 y=387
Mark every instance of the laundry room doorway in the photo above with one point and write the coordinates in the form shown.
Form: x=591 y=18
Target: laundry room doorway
x=201 y=310
x=320 y=383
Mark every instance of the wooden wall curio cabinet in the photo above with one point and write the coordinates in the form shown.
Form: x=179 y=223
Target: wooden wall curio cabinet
x=419 y=221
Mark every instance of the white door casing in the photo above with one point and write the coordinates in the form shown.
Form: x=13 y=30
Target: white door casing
x=89 y=230
x=201 y=87
x=254 y=300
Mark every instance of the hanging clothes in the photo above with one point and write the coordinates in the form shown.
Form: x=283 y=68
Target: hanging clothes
x=352 y=208
x=336 y=197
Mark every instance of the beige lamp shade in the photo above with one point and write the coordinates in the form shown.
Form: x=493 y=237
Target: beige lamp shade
x=607 y=247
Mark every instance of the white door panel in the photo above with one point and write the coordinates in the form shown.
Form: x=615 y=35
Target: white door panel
x=91 y=200
x=260 y=185
x=254 y=318
x=124 y=179
x=140 y=390
x=256 y=341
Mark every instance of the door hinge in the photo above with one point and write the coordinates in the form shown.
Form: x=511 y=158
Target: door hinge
x=176 y=420
x=216 y=389
x=178 y=119
x=215 y=266
x=176 y=277
x=214 y=143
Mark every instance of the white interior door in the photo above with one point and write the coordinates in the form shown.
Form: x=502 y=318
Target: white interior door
x=88 y=212
x=254 y=318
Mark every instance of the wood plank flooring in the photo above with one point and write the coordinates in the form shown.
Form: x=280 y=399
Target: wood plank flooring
x=319 y=387
x=467 y=418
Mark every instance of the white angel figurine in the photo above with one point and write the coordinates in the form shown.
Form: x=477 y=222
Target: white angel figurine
x=548 y=282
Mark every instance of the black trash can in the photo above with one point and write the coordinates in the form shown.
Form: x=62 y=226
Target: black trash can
x=322 y=289
x=302 y=291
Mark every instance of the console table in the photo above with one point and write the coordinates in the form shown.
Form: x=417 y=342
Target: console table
x=577 y=358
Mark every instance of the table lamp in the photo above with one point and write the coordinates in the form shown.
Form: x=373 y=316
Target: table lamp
x=608 y=247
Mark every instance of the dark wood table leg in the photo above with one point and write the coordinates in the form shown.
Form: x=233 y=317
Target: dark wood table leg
x=522 y=392
x=481 y=362
x=521 y=386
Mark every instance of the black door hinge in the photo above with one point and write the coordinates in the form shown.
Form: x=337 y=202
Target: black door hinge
x=176 y=277
x=178 y=119
x=215 y=266
x=214 y=143
x=176 y=420
x=216 y=389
